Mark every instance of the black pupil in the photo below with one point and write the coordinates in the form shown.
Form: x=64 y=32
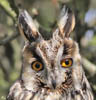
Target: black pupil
x=67 y=62
x=37 y=65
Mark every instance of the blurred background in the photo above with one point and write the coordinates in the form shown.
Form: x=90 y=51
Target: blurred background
x=45 y=14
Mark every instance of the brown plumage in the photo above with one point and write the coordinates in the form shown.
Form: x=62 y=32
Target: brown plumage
x=51 y=69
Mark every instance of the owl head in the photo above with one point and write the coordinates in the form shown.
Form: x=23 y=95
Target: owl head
x=53 y=64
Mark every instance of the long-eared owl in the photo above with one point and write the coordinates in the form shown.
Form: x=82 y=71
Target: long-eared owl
x=51 y=69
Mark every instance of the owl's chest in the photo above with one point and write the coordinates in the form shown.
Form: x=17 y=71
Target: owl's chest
x=50 y=96
x=44 y=95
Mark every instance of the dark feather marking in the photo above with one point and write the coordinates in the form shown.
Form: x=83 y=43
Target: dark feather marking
x=69 y=47
x=32 y=51
x=84 y=87
x=26 y=29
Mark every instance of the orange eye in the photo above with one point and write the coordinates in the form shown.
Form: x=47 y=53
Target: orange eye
x=37 y=66
x=67 y=62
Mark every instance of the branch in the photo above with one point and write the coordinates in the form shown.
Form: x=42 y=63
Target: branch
x=15 y=9
x=7 y=12
x=13 y=6
x=8 y=39
x=89 y=67
x=6 y=74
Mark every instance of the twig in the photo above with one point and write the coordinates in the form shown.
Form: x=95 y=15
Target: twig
x=8 y=39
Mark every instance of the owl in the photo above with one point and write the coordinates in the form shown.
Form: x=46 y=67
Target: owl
x=51 y=69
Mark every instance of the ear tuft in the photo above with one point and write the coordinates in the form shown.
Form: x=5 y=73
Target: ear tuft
x=27 y=27
x=66 y=22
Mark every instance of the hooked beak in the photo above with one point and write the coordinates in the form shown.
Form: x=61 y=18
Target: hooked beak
x=53 y=83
